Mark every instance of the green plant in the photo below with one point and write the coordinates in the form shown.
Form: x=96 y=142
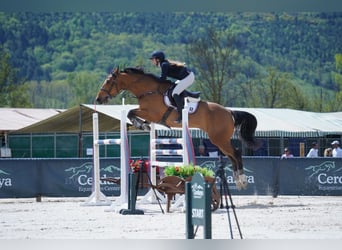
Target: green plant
x=187 y=170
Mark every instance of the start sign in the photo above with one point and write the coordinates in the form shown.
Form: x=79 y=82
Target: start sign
x=198 y=206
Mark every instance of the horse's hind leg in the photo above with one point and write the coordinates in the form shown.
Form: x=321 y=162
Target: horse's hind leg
x=239 y=175
x=235 y=157
x=137 y=122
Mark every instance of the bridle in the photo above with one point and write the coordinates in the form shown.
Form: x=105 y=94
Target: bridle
x=113 y=83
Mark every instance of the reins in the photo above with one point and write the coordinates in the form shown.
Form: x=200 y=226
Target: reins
x=158 y=91
x=147 y=94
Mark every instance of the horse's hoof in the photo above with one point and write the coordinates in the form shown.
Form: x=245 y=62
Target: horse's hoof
x=244 y=185
x=240 y=186
x=241 y=181
x=146 y=127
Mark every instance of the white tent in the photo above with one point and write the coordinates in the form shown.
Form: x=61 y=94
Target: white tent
x=17 y=118
x=295 y=123
x=271 y=122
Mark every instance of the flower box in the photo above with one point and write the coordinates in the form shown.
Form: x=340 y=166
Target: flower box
x=176 y=177
x=187 y=171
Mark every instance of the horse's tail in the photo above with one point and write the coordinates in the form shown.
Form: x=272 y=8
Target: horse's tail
x=246 y=124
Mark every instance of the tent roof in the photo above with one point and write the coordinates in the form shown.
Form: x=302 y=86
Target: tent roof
x=271 y=122
x=79 y=118
x=295 y=123
x=287 y=123
x=16 y=118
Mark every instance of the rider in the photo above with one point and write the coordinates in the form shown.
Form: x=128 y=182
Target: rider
x=176 y=70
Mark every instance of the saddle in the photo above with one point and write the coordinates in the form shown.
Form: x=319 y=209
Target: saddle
x=170 y=102
x=193 y=95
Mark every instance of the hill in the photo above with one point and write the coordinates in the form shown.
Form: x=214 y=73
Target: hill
x=56 y=47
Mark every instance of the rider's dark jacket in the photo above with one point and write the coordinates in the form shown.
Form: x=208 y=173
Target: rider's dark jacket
x=173 y=70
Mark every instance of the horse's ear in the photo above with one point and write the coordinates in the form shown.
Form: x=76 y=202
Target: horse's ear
x=116 y=70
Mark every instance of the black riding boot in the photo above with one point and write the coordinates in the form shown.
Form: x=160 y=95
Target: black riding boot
x=179 y=104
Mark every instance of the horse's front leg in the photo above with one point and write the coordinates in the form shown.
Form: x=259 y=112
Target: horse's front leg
x=138 y=122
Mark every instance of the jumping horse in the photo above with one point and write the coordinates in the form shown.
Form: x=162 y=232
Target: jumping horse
x=217 y=121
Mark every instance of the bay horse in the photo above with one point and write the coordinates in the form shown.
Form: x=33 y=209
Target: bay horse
x=217 y=121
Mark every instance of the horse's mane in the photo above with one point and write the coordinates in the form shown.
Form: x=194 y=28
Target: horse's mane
x=138 y=70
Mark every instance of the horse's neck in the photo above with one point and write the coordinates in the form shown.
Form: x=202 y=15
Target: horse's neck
x=148 y=84
x=164 y=86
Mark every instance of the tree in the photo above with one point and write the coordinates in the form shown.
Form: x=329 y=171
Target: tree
x=13 y=93
x=6 y=77
x=213 y=56
x=84 y=87
x=338 y=81
x=275 y=90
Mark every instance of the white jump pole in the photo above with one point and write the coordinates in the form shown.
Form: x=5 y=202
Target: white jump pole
x=97 y=198
x=185 y=130
x=125 y=157
x=124 y=162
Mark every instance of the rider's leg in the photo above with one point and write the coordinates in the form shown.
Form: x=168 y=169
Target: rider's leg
x=181 y=85
x=178 y=101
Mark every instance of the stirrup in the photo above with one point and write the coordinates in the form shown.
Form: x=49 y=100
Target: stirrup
x=179 y=119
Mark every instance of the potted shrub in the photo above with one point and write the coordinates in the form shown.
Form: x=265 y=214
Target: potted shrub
x=187 y=171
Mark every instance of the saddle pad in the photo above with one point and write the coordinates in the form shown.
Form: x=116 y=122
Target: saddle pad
x=191 y=106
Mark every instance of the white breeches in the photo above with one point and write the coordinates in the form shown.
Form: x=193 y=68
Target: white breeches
x=183 y=84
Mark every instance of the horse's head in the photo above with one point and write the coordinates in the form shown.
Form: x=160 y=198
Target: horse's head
x=110 y=87
x=135 y=80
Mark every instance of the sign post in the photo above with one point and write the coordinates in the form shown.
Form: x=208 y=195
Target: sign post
x=198 y=206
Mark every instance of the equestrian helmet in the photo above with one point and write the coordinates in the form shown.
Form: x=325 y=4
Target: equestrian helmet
x=158 y=54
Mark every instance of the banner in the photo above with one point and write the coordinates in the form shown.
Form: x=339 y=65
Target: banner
x=25 y=178
x=318 y=176
x=259 y=172
x=19 y=179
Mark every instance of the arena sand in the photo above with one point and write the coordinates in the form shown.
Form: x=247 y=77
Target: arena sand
x=259 y=217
